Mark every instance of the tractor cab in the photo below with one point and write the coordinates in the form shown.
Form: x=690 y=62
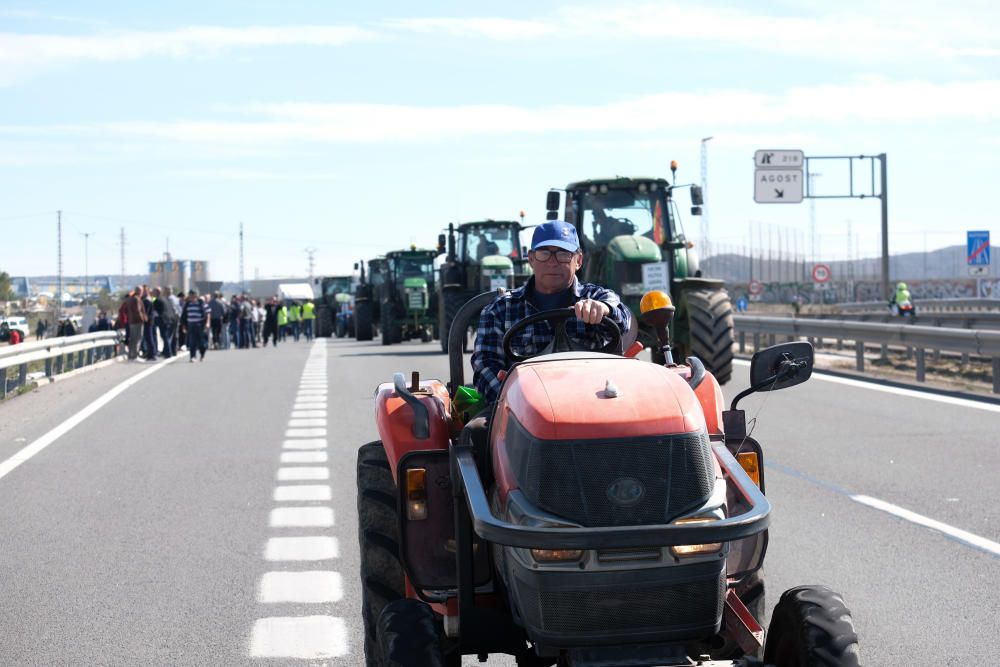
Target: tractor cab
x=332 y=307
x=366 y=297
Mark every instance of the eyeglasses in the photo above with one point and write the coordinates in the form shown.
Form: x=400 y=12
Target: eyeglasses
x=562 y=256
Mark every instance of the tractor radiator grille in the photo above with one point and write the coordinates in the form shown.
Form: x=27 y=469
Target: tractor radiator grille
x=614 y=483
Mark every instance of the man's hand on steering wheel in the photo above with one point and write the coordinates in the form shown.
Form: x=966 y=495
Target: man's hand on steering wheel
x=591 y=311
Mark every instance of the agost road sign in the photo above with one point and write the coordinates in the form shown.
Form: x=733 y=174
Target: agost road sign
x=778 y=176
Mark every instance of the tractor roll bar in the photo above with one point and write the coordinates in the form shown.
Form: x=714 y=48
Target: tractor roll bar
x=457 y=333
x=492 y=529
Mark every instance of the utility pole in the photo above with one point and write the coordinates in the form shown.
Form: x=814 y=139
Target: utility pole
x=705 y=208
x=121 y=243
x=243 y=284
x=59 y=281
x=86 y=262
x=311 y=252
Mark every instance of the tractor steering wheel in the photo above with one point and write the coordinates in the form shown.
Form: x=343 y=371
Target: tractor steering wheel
x=561 y=342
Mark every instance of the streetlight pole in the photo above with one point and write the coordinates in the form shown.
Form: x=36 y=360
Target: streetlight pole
x=86 y=263
x=705 y=208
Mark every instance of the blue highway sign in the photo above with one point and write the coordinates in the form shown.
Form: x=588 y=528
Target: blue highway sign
x=978 y=248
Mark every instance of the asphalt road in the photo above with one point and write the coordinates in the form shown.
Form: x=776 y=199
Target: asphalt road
x=147 y=532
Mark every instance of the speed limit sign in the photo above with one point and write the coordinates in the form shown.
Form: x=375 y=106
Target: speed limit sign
x=821 y=273
x=756 y=287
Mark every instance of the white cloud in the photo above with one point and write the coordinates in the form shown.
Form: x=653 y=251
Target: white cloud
x=499 y=29
x=24 y=55
x=247 y=174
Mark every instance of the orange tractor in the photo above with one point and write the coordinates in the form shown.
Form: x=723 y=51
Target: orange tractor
x=605 y=511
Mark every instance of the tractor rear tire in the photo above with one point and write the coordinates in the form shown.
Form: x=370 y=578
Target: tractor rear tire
x=388 y=325
x=451 y=301
x=710 y=326
x=363 y=328
x=408 y=635
x=324 y=322
x=811 y=627
x=378 y=535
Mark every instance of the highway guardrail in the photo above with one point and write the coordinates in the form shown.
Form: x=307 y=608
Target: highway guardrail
x=928 y=305
x=919 y=338
x=60 y=355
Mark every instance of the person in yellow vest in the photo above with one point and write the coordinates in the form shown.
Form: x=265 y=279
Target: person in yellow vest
x=294 y=315
x=308 y=318
x=282 y=321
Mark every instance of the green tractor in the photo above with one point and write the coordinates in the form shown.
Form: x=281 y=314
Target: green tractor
x=409 y=302
x=633 y=242
x=366 y=298
x=482 y=256
x=329 y=304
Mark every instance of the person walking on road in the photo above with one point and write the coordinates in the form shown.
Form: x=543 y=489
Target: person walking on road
x=135 y=316
x=282 y=321
x=148 y=325
x=308 y=318
x=217 y=308
x=271 y=322
x=167 y=319
x=294 y=315
x=197 y=319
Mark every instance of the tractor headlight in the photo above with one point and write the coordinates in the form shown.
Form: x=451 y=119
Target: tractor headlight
x=682 y=550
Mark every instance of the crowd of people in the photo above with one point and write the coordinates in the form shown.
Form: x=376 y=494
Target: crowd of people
x=158 y=323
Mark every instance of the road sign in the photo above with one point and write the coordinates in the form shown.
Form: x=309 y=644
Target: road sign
x=756 y=287
x=979 y=271
x=779 y=159
x=777 y=186
x=821 y=273
x=978 y=244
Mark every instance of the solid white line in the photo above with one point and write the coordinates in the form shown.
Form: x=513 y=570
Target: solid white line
x=305 y=637
x=314 y=421
x=899 y=391
x=316 y=547
x=305 y=433
x=952 y=532
x=303 y=474
x=310 y=587
x=301 y=493
x=41 y=443
x=301 y=517
x=303 y=457
x=307 y=443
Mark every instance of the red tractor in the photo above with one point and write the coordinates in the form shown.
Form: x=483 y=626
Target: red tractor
x=606 y=511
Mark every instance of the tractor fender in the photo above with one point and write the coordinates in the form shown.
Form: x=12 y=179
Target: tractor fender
x=698 y=283
x=709 y=394
x=395 y=419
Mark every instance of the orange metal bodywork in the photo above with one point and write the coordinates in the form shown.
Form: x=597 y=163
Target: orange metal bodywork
x=394 y=419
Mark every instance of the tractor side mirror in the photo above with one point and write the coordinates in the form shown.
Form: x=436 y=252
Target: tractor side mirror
x=696 y=210
x=552 y=202
x=355 y=266
x=442 y=240
x=697 y=197
x=788 y=364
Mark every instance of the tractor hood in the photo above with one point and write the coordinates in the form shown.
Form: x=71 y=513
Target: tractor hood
x=497 y=262
x=563 y=397
x=634 y=249
x=415 y=283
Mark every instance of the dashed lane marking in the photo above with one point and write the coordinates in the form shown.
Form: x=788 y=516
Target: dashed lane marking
x=301 y=517
x=305 y=637
x=305 y=443
x=303 y=457
x=310 y=587
x=307 y=422
x=313 y=547
x=307 y=414
x=302 y=492
x=303 y=474
x=305 y=433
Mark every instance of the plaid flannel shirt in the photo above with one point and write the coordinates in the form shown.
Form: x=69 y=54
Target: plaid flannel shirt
x=498 y=317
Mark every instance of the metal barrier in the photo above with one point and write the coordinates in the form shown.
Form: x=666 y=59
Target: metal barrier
x=59 y=354
x=927 y=305
x=919 y=338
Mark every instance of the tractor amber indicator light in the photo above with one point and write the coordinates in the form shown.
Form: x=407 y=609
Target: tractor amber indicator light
x=682 y=550
x=749 y=462
x=416 y=494
x=555 y=555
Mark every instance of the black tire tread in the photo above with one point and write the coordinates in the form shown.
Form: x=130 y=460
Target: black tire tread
x=811 y=627
x=408 y=635
x=710 y=321
x=363 y=328
x=382 y=580
x=452 y=300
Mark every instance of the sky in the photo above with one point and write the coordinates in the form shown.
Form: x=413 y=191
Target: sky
x=356 y=128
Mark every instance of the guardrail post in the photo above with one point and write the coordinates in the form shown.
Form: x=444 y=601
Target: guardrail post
x=90 y=356
x=59 y=365
x=22 y=375
x=770 y=340
x=921 y=368
x=48 y=367
x=743 y=342
x=840 y=343
x=996 y=375
x=79 y=359
x=3 y=383
x=756 y=341
x=859 y=354
x=965 y=358
x=884 y=352
x=937 y=355
x=909 y=352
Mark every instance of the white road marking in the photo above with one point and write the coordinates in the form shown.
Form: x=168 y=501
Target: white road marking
x=309 y=405
x=313 y=384
x=294 y=423
x=899 y=391
x=305 y=433
x=303 y=457
x=955 y=533
x=300 y=474
x=316 y=547
x=301 y=517
x=312 y=587
x=308 y=443
x=62 y=429
x=302 y=492
x=312 y=392
x=305 y=637
x=306 y=414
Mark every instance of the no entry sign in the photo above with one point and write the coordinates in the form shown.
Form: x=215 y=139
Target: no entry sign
x=821 y=273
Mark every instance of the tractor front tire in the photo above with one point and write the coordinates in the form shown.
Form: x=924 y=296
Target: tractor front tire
x=363 y=328
x=710 y=326
x=452 y=300
x=378 y=535
x=408 y=635
x=811 y=627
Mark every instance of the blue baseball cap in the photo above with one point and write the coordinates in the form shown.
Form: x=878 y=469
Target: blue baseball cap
x=555 y=233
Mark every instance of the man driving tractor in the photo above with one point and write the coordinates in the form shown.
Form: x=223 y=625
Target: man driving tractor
x=555 y=258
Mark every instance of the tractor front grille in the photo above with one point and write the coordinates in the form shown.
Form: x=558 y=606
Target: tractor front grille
x=614 y=483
